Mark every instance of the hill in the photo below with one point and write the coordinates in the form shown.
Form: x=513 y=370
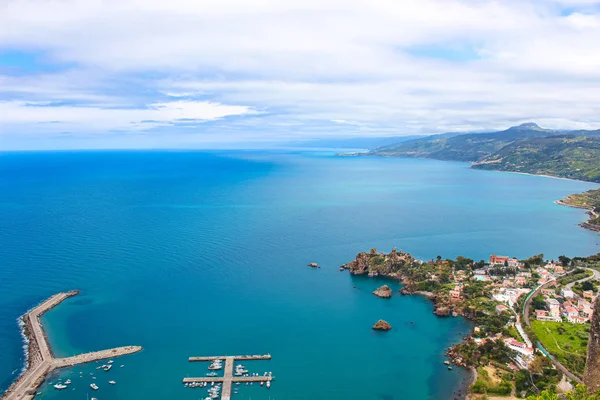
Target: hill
x=575 y=157
x=462 y=147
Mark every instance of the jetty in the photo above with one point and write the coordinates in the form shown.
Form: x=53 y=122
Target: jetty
x=228 y=378
x=41 y=360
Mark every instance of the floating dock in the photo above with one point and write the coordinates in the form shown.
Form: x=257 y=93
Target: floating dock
x=41 y=360
x=228 y=378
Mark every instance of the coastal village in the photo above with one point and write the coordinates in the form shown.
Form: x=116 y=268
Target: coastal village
x=532 y=318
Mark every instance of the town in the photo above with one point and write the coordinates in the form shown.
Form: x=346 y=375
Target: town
x=531 y=317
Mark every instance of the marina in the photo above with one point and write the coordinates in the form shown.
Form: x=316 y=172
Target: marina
x=41 y=360
x=229 y=377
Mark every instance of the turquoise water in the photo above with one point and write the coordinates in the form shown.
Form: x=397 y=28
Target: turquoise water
x=197 y=253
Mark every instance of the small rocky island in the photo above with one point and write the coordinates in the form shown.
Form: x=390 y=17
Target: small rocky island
x=384 y=292
x=382 y=325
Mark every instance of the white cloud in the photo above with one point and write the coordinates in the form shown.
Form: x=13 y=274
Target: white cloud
x=310 y=67
x=85 y=118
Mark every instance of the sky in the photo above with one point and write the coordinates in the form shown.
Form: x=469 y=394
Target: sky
x=229 y=73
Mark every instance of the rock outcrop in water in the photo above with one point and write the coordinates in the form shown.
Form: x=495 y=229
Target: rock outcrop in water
x=592 y=367
x=382 y=325
x=380 y=264
x=383 y=292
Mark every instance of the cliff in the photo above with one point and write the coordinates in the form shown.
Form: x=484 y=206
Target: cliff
x=592 y=367
x=380 y=264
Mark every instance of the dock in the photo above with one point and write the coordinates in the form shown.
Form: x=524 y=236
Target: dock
x=41 y=360
x=228 y=378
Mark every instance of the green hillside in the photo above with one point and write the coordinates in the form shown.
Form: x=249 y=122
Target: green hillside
x=575 y=157
x=462 y=147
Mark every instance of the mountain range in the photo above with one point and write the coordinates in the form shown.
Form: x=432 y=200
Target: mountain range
x=526 y=148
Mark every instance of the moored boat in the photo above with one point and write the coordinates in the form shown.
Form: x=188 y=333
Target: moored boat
x=60 y=386
x=94 y=386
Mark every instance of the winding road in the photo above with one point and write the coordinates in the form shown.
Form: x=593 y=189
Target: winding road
x=527 y=306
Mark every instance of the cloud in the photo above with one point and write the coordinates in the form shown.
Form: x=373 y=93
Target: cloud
x=273 y=70
x=49 y=117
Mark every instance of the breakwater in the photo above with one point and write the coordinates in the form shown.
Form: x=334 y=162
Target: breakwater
x=40 y=358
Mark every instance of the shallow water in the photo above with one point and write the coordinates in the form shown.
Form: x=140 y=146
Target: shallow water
x=197 y=253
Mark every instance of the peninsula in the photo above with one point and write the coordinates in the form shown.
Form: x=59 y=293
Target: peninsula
x=532 y=317
x=41 y=360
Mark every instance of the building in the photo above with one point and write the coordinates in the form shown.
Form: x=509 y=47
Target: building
x=520 y=280
x=455 y=293
x=567 y=293
x=577 y=320
x=500 y=308
x=588 y=294
x=570 y=312
x=554 y=307
x=498 y=260
x=548 y=292
x=518 y=346
x=540 y=313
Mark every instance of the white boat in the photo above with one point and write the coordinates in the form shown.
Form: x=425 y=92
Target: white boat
x=112 y=382
x=60 y=386
x=110 y=361
x=268 y=384
x=107 y=367
x=262 y=383
x=68 y=382
x=94 y=386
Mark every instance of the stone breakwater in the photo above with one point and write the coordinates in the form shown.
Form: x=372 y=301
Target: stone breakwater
x=40 y=360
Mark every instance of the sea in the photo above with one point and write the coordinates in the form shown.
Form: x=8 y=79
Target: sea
x=197 y=253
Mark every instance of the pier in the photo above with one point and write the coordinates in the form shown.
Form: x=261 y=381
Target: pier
x=41 y=360
x=228 y=378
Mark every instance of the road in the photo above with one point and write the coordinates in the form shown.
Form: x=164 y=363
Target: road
x=595 y=275
x=526 y=308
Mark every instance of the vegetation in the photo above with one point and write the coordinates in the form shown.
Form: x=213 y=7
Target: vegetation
x=489 y=382
x=589 y=200
x=526 y=148
x=568 y=342
x=465 y=147
x=579 y=393
x=575 y=157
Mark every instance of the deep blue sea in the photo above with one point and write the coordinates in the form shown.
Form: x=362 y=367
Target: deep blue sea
x=205 y=253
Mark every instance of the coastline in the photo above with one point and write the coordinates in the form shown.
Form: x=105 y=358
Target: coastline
x=590 y=211
x=440 y=311
x=39 y=358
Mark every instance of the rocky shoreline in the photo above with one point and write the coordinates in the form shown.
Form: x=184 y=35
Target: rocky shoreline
x=385 y=266
x=590 y=211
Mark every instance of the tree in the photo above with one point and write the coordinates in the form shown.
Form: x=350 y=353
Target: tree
x=579 y=393
x=564 y=260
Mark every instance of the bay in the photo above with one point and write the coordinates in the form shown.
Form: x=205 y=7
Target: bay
x=203 y=253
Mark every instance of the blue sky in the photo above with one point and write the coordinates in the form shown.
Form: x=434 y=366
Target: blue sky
x=232 y=73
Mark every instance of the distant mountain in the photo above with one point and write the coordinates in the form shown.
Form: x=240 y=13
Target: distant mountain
x=353 y=143
x=575 y=157
x=524 y=148
x=462 y=147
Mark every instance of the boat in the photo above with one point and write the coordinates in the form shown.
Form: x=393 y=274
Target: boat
x=60 y=386
x=211 y=374
x=262 y=383
x=94 y=386
x=122 y=366
x=112 y=382
x=268 y=384
x=449 y=368
x=110 y=361
x=68 y=382
x=107 y=367
x=447 y=362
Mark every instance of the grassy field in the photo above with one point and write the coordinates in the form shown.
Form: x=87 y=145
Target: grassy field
x=568 y=342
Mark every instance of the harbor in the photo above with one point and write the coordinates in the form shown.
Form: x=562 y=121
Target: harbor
x=221 y=386
x=41 y=360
